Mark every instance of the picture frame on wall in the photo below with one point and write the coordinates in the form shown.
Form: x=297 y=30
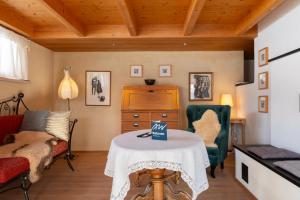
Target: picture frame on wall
x=263 y=80
x=136 y=71
x=200 y=86
x=98 y=88
x=263 y=57
x=165 y=70
x=263 y=104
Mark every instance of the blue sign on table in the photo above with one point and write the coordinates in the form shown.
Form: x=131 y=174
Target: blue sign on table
x=159 y=130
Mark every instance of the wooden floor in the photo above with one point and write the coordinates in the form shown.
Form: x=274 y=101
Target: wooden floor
x=89 y=182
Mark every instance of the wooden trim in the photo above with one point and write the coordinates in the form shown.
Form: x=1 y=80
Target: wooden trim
x=9 y=20
x=147 y=31
x=267 y=80
x=110 y=75
x=127 y=16
x=212 y=86
x=256 y=15
x=267 y=56
x=267 y=104
x=13 y=80
x=192 y=16
x=62 y=14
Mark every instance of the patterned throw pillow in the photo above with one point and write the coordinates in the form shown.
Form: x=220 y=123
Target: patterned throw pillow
x=58 y=125
x=208 y=127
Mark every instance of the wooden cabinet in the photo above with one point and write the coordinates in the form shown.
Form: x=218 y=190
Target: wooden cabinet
x=143 y=104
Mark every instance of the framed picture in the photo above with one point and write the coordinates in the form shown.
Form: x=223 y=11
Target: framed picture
x=136 y=71
x=97 y=88
x=201 y=86
x=263 y=104
x=165 y=70
x=263 y=57
x=263 y=80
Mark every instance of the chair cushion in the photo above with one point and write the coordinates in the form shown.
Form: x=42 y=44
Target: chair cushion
x=208 y=127
x=9 y=124
x=34 y=121
x=61 y=147
x=12 y=167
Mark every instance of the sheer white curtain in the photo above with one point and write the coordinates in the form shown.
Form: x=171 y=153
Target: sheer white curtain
x=13 y=55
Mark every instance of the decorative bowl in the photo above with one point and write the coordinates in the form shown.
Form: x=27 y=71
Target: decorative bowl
x=149 y=81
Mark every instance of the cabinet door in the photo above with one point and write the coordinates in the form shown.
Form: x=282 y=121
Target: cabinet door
x=150 y=100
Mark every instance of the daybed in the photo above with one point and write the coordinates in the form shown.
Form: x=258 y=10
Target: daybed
x=18 y=168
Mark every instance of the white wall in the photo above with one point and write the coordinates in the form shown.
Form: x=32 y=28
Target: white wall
x=99 y=124
x=280 y=32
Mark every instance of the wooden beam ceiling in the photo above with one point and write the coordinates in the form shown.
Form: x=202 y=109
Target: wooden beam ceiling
x=128 y=16
x=149 y=31
x=192 y=16
x=58 y=9
x=15 y=22
x=256 y=15
x=73 y=25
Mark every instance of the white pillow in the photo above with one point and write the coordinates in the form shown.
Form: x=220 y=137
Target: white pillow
x=58 y=125
x=208 y=127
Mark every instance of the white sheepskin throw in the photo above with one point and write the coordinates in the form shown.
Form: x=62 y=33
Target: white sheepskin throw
x=35 y=146
x=208 y=127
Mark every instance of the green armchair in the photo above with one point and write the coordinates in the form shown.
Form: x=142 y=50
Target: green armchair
x=218 y=154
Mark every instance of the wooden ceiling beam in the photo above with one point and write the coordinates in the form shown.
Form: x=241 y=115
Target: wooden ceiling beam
x=128 y=16
x=256 y=15
x=15 y=22
x=192 y=16
x=61 y=13
x=148 y=31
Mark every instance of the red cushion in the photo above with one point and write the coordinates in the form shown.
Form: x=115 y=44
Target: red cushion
x=9 y=124
x=12 y=167
x=61 y=147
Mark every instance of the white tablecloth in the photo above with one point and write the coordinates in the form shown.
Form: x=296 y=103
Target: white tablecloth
x=183 y=151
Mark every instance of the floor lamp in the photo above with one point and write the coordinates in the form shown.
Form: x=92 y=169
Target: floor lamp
x=68 y=88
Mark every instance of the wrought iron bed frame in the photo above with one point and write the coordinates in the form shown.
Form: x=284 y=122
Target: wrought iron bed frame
x=11 y=106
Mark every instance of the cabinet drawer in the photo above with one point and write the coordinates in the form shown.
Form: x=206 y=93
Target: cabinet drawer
x=135 y=125
x=164 y=116
x=135 y=116
x=173 y=125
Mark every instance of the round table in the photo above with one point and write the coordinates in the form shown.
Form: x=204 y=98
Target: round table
x=183 y=152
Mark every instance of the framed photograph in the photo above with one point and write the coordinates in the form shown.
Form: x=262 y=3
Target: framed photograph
x=263 y=80
x=263 y=104
x=97 y=88
x=136 y=71
x=201 y=86
x=165 y=70
x=263 y=57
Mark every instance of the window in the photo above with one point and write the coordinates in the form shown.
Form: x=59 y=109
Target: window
x=13 y=55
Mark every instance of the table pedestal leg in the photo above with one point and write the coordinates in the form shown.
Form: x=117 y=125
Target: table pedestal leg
x=158 y=183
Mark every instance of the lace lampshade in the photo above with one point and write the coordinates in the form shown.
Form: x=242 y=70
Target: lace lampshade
x=68 y=88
